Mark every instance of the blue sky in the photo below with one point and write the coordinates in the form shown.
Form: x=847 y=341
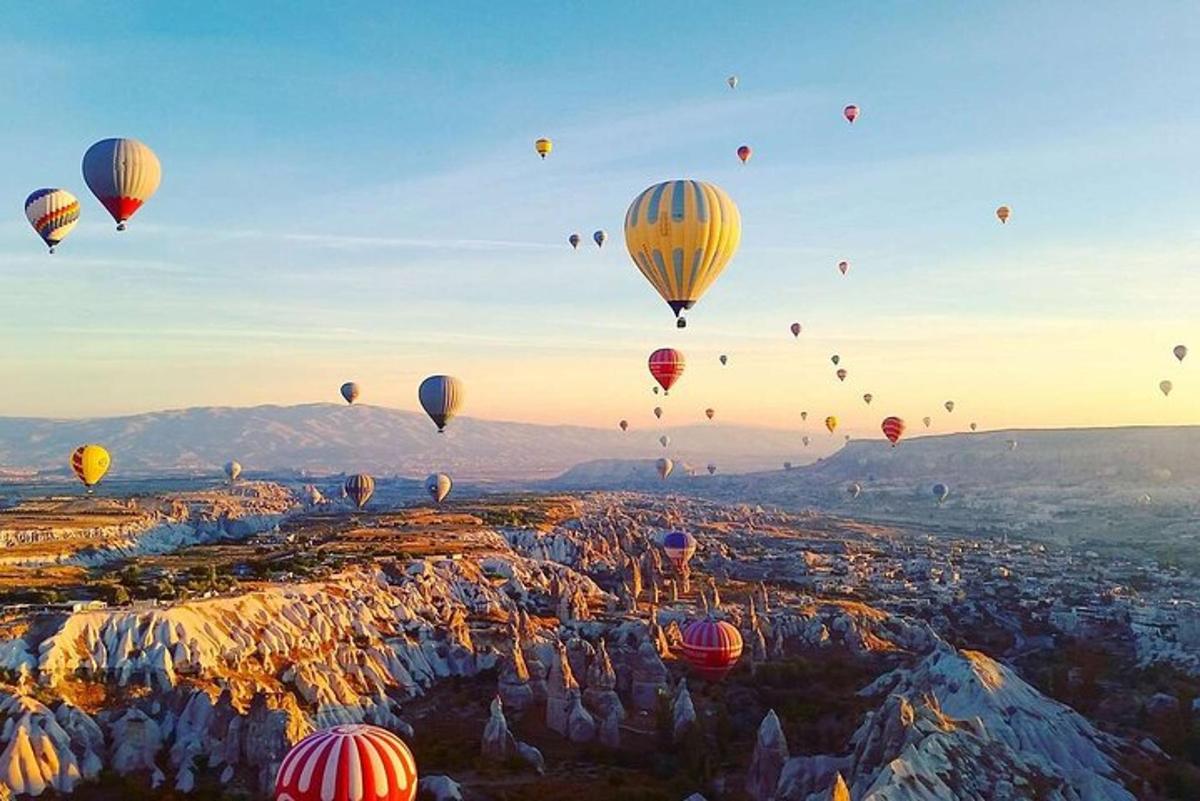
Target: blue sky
x=354 y=195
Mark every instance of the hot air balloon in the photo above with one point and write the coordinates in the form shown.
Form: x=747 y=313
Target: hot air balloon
x=927 y=421
x=712 y=468
x=52 y=213
x=841 y=374
x=350 y=391
x=664 y=467
x=349 y=762
x=940 y=491
x=854 y=490
x=893 y=429
x=438 y=486
x=850 y=112
x=724 y=359
x=90 y=463
x=1166 y=387
x=1003 y=214
x=709 y=413
x=744 y=152
x=787 y=465
x=233 y=470
x=543 y=147
x=949 y=406
x=1180 y=352
x=624 y=424
x=664 y=440
x=831 y=423
x=441 y=397
x=679 y=547
x=805 y=440
x=803 y=415
x=795 y=329
x=974 y=426
x=835 y=359
x=122 y=174
x=711 y=647
x=843 y=267
x=1012 y=444
x=658 y=411
x=681 y=235
x=599 y=237
x=359 y=488
x=666 y=365
x=732 y=80
x=655 y=389
x=867 y=398
x=846 y=437
x=574 y=239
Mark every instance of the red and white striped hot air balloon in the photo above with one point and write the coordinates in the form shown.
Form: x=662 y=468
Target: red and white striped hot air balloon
x=711 y=647
x=666 y=365
x=893 y=429
x=353 y=762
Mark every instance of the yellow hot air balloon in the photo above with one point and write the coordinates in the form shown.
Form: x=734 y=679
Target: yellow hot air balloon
x=831 y=423
x=90 y=463
x=681 y=235
x=543 y=147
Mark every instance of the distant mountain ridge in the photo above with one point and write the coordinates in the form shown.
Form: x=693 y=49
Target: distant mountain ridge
x=332 y=438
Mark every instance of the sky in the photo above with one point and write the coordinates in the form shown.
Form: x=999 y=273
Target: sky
x=351 y=193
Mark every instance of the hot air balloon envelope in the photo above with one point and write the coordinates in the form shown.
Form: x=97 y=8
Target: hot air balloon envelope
x=52 y=213
x=893 y=429
x=666 y=365
x=441 y=397
x=438 y=485
x=122 y=174
x=712 y=648
x=350 y=762
x=90 y=463
x=681 y=235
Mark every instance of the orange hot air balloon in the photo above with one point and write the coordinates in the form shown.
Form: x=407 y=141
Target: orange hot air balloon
x=795 y=329
x=843 y=267
x=1003 y=213
x=893 y=429
x=744 y=152
x=850 y=112
x=831 y=423
x=666 y=365
x=841 y=374
x=709 y=413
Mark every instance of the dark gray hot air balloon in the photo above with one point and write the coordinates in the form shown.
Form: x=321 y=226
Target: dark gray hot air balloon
x=441 y=397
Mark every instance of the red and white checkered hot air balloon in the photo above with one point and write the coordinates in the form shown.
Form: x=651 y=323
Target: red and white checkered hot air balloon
x=711 y=647
x=893 y=429
x=666 y=365
x=354 y=762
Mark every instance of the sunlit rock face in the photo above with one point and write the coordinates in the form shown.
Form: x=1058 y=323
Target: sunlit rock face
x=971 y=728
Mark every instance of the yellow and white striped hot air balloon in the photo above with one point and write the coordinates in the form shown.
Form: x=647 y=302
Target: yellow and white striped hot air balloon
x=90 y=463
x=52 y=213
x=681 y=235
